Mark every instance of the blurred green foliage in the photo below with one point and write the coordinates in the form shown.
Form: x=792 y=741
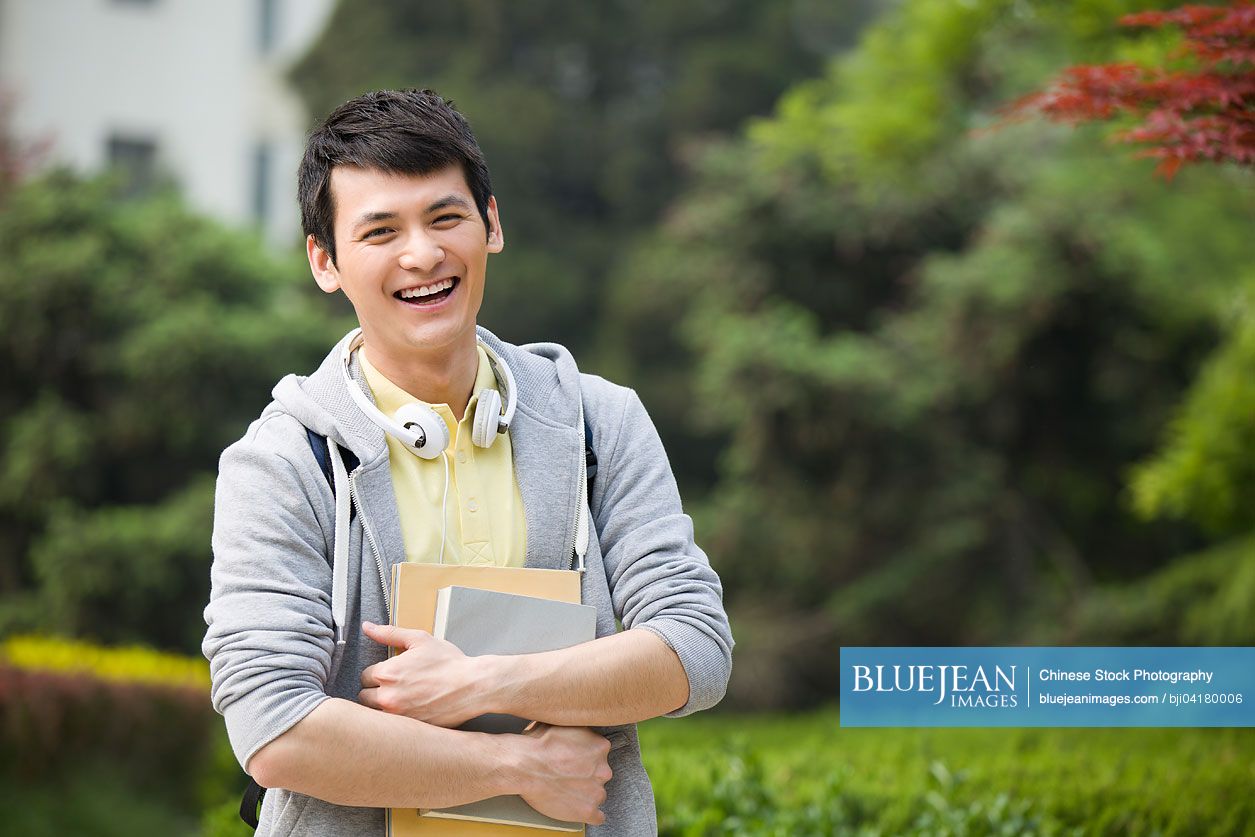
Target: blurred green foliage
x=95 y=799
x=1206 y=470
x=922 y=378
x=922 y=382
x=139 y=339
x=1199 y=599
x=712 y=774
x=803 y=775
x=929 y=353
x=584 y=111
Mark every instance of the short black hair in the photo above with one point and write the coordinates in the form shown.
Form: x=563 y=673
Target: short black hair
x=401 y=131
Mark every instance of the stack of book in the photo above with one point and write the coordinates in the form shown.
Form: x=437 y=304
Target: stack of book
x=489 y=610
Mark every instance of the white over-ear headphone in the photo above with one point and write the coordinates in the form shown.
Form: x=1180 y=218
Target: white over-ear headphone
x=418 y=427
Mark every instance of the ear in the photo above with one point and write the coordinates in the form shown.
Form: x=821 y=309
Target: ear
x=496 y=239
x=322 y=266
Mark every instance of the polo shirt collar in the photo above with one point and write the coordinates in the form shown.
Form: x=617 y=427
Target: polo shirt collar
x=389 y=397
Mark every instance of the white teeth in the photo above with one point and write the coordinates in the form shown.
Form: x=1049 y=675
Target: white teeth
x=428 y=290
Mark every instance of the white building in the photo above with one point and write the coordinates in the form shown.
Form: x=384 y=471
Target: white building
x=191 y=89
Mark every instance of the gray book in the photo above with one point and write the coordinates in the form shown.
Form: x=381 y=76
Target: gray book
x=482 y=622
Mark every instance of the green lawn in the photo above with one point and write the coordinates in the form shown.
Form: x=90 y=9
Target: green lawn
x=92 y=800
x=719 y=774
x=785 y=775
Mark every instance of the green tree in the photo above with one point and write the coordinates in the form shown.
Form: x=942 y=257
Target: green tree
x=584 y=112
x=1206 y=470
x=930 y=355
x=138 y=341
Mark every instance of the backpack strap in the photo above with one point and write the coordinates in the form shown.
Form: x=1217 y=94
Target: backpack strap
x=250 y=804
x=318 y=444
x=590 y=458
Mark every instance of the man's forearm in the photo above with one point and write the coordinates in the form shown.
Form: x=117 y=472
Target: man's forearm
x=619 y=679
x=348 y=754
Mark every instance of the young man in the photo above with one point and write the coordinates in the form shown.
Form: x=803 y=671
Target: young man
x=470 y=450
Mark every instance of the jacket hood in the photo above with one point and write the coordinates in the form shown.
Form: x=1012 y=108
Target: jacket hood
x=545 y=375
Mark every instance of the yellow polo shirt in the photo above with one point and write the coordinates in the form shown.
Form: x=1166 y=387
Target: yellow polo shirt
x=484 y=516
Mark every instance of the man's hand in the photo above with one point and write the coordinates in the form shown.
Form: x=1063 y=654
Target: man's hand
x=618 y=679
x=562 y=771
x=568 y=771
x=429 y=680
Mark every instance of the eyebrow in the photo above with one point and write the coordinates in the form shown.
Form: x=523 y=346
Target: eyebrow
x=448 y=201
x=385 y=215
x=371 y=218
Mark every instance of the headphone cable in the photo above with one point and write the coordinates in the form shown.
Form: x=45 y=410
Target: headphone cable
x=444 y=506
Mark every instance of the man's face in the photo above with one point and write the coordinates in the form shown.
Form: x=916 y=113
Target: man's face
x=411 y=252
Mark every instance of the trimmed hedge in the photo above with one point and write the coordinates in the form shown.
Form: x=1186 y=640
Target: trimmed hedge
x=130 y=664
x=49 y=722
x=69 y=708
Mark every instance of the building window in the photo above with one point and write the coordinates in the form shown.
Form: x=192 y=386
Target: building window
x=262 y=163
x=267 y=25
x=134 y=159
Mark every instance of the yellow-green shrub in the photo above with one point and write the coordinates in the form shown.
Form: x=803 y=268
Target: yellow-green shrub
x=129 y=664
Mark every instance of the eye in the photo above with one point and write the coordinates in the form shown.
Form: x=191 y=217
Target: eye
x=447 y=220
x=378 y=232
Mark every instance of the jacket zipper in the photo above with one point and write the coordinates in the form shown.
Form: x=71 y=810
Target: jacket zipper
x=575 y=525
x=374 y=550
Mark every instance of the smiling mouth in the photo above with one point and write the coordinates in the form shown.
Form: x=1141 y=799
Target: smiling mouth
x=429 y=295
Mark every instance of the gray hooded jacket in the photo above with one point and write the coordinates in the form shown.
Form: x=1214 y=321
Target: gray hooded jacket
x=283 y=622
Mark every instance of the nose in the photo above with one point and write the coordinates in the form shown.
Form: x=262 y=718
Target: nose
x=421 y=252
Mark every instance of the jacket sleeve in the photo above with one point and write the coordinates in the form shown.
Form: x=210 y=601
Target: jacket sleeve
x=660 y=580
x=269 y=640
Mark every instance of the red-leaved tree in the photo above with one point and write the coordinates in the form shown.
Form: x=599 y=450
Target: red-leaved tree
x=1204 y=113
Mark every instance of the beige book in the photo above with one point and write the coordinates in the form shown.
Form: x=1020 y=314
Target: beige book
x=415 y=587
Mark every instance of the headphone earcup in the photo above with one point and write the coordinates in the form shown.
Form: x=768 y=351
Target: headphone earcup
x=427 y=426
x=487 y=418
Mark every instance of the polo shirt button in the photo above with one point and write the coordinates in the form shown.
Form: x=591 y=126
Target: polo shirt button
x=472 y=505
x=461 y=456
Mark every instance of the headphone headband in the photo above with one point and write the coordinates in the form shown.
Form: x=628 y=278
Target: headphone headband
x=505 y=380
